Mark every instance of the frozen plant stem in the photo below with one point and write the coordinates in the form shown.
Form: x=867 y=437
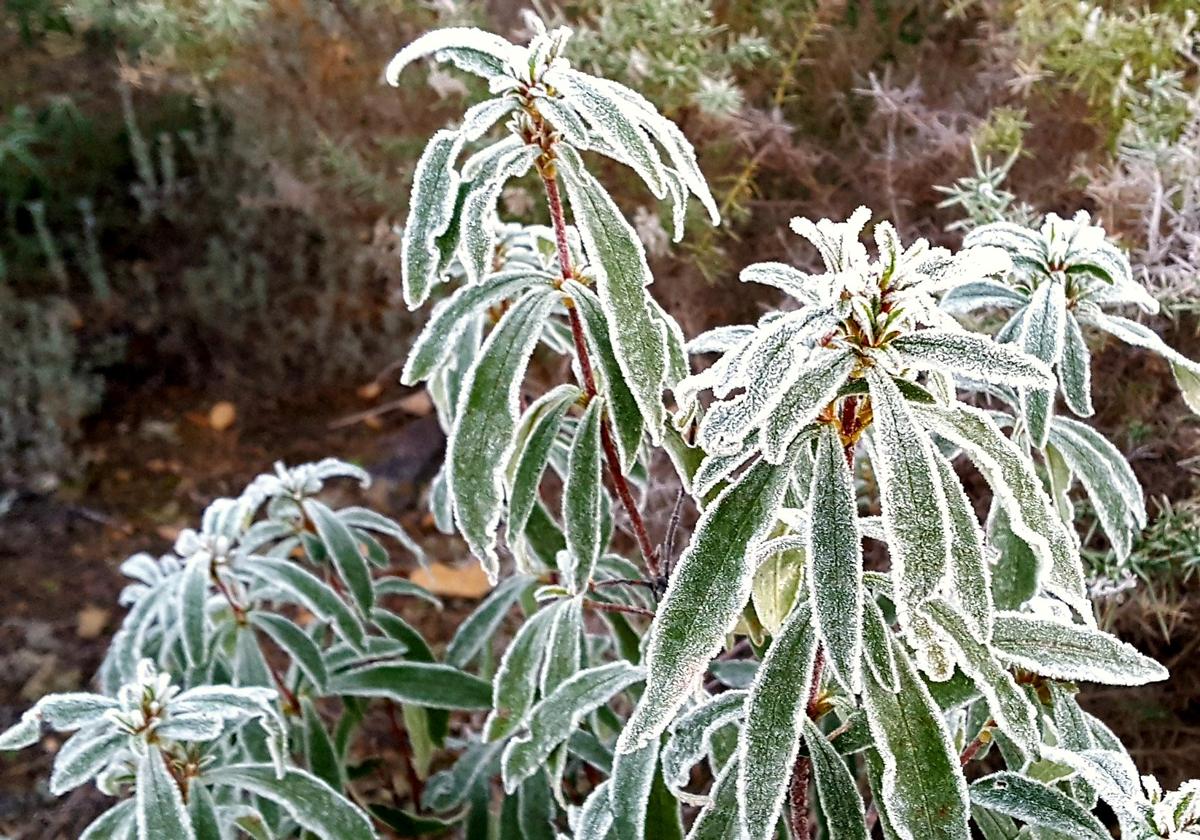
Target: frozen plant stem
x=802 y=769
x=554 y=199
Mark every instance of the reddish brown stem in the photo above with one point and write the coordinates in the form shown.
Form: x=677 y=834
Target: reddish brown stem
x=973 y=748
x=802 y=769
x=603 y=606
x=554 y=199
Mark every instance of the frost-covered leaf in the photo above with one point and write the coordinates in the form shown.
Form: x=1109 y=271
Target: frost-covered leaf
x=554 y=718
x=24 y=733
x=72 y=710
x=297 y=644
x=817 y=384
x=448 y=317
x=1019 y=492
x=422 y=683
x=915 y=514
x=582 y=493
x=923 y=791
x=1036 y=804
x=691 y=735
x=970 y=577
x=776 y=709
x=707 y=591
x=619 y=400
x=84 y=755
x=342 y=548
x=1187 y=372
x=478 y=222
x=431 y=208
x=720 y=819
x=515 y=684
x=563 y=650
x=777 y=580
x=1075 y=369
x=622 y=275
x=1071 y=651
x=841 y=804
x=304 y=588
x=1009 y=706
x=974 y=355
x=835 y=560
x=482 y=437
x=535 y=436
x=1043 y=334
x=877 y=647
x=1107 y=772
x=481 y=625
x=781 y=276
x=160 y=808
x=193 y=618
x=629 y=790
x=983 y=294
x=312 y=803
x=473 y=50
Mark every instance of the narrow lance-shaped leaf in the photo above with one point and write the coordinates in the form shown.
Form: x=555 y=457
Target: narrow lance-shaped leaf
x=160 y=808
x=707 y=592
x=312 y=803
x=877 y=647
x=1075 y=369
x=431 y=207
x=563 y=649
x=923 y=790
x=487 y=414
x=1187 y=372
x=816 y=386
x=516 y=681
x=473 y=50
x=1042 y=336
x=535 y=437
x=776 y=709
x=297 y=644
x=970 y=574
x=835 y=560
x=1037 y=804
x=691 y=734
x=581 y=500
x=622 y=274
x=974 y=355
x=84 y=755
x=478 y=221
x=629 y=790
x=720 y=818
x=836 y=789
x=481 y=625
x=344 y=551
x=193 y=596
x=311 y=593
x=1071 y=651
x=422 y=683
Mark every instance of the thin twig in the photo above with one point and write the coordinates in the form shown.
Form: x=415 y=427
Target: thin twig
x=604 y=606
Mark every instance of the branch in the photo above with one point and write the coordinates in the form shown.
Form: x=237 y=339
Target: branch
x=802 y=769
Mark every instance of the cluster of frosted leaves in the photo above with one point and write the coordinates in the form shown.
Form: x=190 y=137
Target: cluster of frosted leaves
x=151 y=735
x=1064 y=277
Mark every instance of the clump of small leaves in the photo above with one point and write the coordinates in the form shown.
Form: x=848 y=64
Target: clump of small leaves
x=758 y=682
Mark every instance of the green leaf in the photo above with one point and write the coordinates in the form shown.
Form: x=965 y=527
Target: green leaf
x=311 y=593
x=923 y=790
x=1071 y=651
x=203 y=813
x=691 y=735
x=629 y=789
x=297 y=644
x=1075 y=370
x=516 y=681
x=877 y=647
x=482 y=438
x=563 y=648
x=313 y=804
x=470 y=49
x=160 y=808
x=117 y=823
x=970 y=576
x=817 y=385
x=481 y=625
x=835 y=560
x=662 y=811
x=1187 y=372
x=707 y=592
x=84 y=755
x=720 y=818
x=344 y=551
x=776 y=709
x=776 y=584
x=478 y=219
x=975 y=355
x=407 y=824
x=556 y=716
x=622 y=274
x=319 y=749
x=431 y=210
x=581 y=500
x=619 y=400
x=1042 y=336
x=193 y=618
x=1036 y=804
x=841 y=804
x=422 y=683
x=536 y=434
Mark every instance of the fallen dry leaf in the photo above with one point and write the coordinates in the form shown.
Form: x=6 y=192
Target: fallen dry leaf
x=466 y=581
x=222 y=415
x=91 y=621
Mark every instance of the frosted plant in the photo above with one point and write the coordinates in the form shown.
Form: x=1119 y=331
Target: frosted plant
x=757 y=683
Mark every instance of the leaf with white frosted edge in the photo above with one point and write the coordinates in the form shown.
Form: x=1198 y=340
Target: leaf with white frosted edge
x=582 y=490
x=781 y=276
x=835 y=560
x=776 y=709
x=563 y=651
x=838 y=242
x=344 y=550
x=431 y=208
x=837 y=792
x=594 y=818
x=470 y=49
x=771 y=369
x=1007 y=701
x=84 y=755
x=923 y=790
x=1108 y=479
x=365 y=519
x=446 y=321
x=312 y=803
x=720 y=339
x=816 y=385
x=482 y=437
x=422 y=683
x=1101 y=769
x=629 y=790
x=610 y=119
x=622 y=274
x=1026 y=247
x=716 y=468
x=619 y=400
x=1018 y=490
x=1075 y=370
x=71 y=710
x=117 y=823
x=877 y=647
x=481 y=625
x=678 y=366
x=160 y=808
x=975 y=355
x=970 y=574
x=777 y=580
x=535 y=436
x=915 y=512
x=24 y=733
x=1036 y=804
x=302 y=587
x=297 y=644
x=1071 y=651
x=691 y=735
x=515 y=684
x=720 y=819
x=565 y=119
x=193 y=618
x=1187 y=372
x=555 y=717
x=477 y=246
x=1042 y=336
x=982 y=294
x=706 y=594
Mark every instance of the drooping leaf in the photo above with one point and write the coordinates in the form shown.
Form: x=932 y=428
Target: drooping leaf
x=473 y=50
x=481 y=625
x=344 y=551
x=297 y=644
x=720 y=818
x=311 y=593
x=970 y=575
x=692 y=732
x=582 y=493
x=84 y=755
x=1071 y=651
x=535 y=437
x=841 y=804
x=1075 y=369
x=816 y=386
x=516 y=681
x=1036 y=804
x=431 y=207
x=629 y=790
x=312 y=803
x=1186 y=371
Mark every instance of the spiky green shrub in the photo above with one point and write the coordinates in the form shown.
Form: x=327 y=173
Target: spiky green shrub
x=626 y=704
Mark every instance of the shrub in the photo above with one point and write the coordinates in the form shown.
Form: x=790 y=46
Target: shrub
x=614 y=702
